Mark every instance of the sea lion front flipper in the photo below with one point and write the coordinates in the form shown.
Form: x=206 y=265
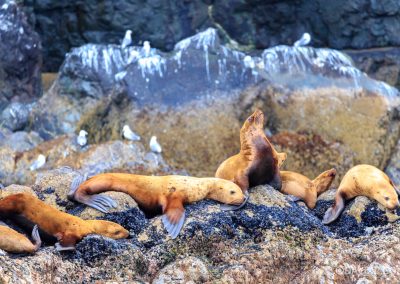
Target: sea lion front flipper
x=227 y=207
x=59 y=247
x=174 y=215
x=173 y=229
x=36 y=237
x=65 y=242
x=333 y=213
x=76 y=182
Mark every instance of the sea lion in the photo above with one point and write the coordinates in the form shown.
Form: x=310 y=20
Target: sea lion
x=166 y=194
x=302 y=188
x=68 y=229
x=14 y=242
x=257 y=162
x=363 y=180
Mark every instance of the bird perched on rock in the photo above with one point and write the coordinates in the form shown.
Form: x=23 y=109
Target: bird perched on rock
x=127 y=39
x=81 y=139
x=154 y=146
x=304 y=40
x=128 y=134
x=40 y=161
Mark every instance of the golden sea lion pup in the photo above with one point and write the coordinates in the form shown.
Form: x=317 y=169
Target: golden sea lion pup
x=257 y=162
x=14 y=242
x=68 y=229
x=305 y=189
x=168 y=193
x=363 y=180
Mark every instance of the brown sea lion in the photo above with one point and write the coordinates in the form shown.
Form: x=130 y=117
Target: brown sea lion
x=14 y=242
x=363 y=180
x=167 y=194
x=257 y=162
x=302 y=188
x=68 y=229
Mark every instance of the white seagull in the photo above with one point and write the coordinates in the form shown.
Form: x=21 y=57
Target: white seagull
x=40 y=161
x=81 y=139
x=127 y=39
x=128 y=134
x=154 y=146
x=146 y=48
x=304 y=40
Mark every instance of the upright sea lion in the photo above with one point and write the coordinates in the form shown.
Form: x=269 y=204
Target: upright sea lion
x=12 y=241
x=257 y=162
x=167 y=194
x=363 y=180
x=68 y=229
x=305 y=189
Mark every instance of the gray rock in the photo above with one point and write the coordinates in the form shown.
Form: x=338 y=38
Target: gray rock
x=20 y=56
x=15 y=116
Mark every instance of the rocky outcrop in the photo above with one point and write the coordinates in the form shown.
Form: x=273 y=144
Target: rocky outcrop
x=270 y=239
x=195 y=99
x=20 y=57
x=92 y=159
x=362 y=24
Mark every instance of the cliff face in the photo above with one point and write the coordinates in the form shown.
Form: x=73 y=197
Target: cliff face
x=252 y=24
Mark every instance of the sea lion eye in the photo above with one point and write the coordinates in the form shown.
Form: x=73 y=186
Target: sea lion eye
x=387 y=198
x=232 y=192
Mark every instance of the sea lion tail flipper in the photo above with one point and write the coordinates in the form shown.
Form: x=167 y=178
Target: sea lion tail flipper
x=333 y=213
x=36 y=237
x=76 y=182
x=173 y=229
x=227 y=207
x=102 y=203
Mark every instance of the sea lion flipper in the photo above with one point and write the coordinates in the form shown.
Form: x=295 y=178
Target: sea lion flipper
x=333 y=213
x=59 y=247
x=36 y=237
x=173 y=229
x=100 y=202
x=76 y=182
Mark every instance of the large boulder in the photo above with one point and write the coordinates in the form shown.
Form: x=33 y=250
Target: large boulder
x=195 y=99
x=20 y=56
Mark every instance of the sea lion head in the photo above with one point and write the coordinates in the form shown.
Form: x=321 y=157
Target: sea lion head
x=281 y=158
x=226 y=192
x=109 y=229
x=388 y=198
x=324 y=180
x=253 y=123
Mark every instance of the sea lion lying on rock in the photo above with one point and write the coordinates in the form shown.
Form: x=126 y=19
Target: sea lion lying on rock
x=363 y=180
x=257 y=162
x=166 y=194
x=302 y=188
x=14 y=242
x=68 y=229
